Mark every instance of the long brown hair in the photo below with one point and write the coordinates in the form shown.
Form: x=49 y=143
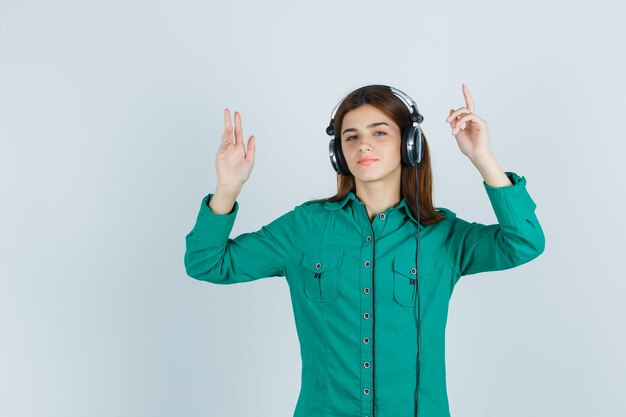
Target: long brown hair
x=387 y=102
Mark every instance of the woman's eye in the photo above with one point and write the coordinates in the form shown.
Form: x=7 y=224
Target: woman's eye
x=375 y=133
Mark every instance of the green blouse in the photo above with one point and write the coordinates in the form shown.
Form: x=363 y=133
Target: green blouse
x=352 y=286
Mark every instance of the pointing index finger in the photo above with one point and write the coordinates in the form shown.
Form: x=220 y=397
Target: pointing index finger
x=468 y=98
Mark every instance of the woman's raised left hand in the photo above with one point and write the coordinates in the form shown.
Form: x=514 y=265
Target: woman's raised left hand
x=473 y=140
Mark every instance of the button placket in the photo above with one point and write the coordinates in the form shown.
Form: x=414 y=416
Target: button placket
x=366 y=277
x=367 y=368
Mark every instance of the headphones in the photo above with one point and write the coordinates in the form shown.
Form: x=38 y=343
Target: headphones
x=412 y=152
x=411 y=147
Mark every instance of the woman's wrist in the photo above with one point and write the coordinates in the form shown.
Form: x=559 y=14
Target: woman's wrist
x=223 y=199
x=491 y=171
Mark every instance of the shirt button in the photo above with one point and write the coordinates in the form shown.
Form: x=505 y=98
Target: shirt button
x=318 y=265
x=382 y=216
x=366 y=315
x=366 y=340
x=366 y=364
x=366 y=391
x=366 y=290
x=369 y=238
x=366 y=263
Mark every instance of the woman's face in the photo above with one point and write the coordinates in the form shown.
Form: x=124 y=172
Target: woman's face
x=370 y=142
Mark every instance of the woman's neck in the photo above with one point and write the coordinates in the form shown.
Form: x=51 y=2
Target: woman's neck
x=377 y=196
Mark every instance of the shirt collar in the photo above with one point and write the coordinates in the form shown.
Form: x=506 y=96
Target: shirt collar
x=351 y=197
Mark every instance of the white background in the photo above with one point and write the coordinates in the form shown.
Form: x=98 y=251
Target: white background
x=110 y=117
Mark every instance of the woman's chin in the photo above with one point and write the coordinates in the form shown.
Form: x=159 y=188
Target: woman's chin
x=368 y=178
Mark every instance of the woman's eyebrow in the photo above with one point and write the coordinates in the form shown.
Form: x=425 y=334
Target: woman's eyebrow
x=369 y=126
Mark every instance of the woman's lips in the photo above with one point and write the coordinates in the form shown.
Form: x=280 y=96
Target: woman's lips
x=367 y=161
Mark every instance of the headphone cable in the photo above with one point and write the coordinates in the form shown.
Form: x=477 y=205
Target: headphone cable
x=419 y=349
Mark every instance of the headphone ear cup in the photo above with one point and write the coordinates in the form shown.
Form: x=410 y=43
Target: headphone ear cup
x=419 y=149
x=412 y=145
x=404 y=147
x=337 y=159
x=341 y=160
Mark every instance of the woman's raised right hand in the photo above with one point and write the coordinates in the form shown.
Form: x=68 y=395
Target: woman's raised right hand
x=234 y=161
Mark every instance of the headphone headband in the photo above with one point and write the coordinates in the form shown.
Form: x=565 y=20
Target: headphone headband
x=416 y=116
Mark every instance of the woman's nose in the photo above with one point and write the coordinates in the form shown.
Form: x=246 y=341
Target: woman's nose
x=364 y=144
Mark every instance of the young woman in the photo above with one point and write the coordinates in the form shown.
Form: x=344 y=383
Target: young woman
x=360 y=299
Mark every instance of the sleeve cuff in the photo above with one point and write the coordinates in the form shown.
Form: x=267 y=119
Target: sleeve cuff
x=211 y=228
x=512 y=204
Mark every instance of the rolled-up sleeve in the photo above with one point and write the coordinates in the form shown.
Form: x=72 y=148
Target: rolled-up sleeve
x=212 y=256
x=516 y=239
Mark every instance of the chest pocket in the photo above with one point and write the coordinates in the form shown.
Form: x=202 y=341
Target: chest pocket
x=405 y=282
x=321 y=275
